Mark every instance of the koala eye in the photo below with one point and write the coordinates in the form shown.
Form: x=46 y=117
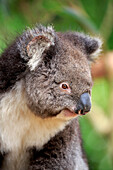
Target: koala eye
x=65 y=87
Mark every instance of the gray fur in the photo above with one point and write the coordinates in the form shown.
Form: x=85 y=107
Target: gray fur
x=49 y=59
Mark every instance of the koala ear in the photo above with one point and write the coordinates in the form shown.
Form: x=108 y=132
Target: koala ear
x=92 y=47
x=35 y=48
x=34 y=42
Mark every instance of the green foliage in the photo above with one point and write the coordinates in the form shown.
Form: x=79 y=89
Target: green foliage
x=102 y=88
x=96 y=10
x=95 y=146
x=84 y=15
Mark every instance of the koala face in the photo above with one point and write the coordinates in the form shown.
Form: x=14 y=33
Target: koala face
x=60 y=78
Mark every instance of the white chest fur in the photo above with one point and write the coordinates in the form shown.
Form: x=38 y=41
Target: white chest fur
x=21 y=129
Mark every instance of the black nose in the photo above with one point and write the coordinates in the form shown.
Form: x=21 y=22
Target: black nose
x=84 y=104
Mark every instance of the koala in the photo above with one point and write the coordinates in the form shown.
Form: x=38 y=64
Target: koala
x=45 y=86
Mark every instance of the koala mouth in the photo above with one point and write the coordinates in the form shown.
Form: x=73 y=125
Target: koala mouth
x=76 y=113
x=71 y=114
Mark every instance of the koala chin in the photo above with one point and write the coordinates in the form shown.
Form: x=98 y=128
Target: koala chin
x=45 y=85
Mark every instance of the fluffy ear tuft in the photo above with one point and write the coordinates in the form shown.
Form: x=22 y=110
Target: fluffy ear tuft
x=34 y=42
x=92 y=47
x=35 y=48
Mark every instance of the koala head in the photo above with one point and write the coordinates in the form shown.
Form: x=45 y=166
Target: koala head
x=58 y=79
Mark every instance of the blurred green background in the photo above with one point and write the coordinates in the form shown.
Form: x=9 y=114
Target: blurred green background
x=94 y=17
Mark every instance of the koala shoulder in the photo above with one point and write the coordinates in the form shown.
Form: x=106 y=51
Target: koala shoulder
x=11 y=67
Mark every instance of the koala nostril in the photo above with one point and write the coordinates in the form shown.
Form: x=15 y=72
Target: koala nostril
x=87 y=108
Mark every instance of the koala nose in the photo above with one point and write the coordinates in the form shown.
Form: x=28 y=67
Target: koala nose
x=84 y=104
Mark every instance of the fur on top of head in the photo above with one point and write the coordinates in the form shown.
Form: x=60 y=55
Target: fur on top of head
x=34 y=42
